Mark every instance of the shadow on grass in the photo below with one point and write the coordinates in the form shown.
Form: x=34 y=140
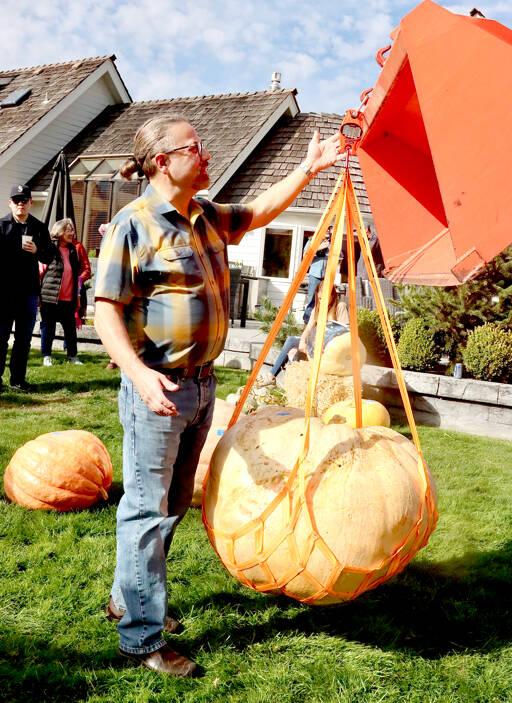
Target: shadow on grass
x=11 y=399
x=115 y=493
x=44 y=672
x=429 y=610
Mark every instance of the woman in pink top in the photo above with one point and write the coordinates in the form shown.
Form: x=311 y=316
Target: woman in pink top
x=59 y=292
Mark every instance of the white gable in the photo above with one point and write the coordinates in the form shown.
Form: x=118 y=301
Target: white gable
x=28 y=154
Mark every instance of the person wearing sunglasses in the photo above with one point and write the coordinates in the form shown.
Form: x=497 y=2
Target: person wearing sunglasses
x=24 y=241
x=162 y=312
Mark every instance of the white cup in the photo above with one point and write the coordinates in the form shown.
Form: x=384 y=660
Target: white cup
x=25 y=238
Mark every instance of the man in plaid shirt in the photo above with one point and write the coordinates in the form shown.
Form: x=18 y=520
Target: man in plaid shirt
x=162 y=312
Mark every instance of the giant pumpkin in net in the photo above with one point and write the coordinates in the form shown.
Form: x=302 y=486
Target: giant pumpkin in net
x=222 y=412
x=366 y=506
x=59 y=470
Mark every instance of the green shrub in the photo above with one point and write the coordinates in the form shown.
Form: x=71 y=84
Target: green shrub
x=266 y=314
x=419 y=347
x=372 y=335
x=488 y=353
x=455 y=311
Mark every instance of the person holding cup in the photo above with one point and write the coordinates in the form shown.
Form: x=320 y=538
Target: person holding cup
x=24 y=241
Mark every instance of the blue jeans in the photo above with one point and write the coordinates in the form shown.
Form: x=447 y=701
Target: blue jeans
x=21 y=312
x=313 y=283
x=282 y=359
x=160 y=456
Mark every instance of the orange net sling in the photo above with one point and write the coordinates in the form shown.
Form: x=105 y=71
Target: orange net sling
x=343 y=206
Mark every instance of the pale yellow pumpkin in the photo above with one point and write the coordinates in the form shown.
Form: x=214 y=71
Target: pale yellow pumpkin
x=373 y=413
x=59 y=470
x=368 y=506
x=337 y=356
x=222 y=413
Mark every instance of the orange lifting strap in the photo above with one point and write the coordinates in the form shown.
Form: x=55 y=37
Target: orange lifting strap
x=344 y=208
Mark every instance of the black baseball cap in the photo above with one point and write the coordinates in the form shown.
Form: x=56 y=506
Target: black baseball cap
x=21 y=191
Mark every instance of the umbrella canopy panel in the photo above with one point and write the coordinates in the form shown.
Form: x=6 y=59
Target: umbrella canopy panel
x=436 y=151
x=59 y=202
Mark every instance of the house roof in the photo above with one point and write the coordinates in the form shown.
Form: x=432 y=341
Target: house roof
x=281 y=151
x=49 y=84
x=228 y=124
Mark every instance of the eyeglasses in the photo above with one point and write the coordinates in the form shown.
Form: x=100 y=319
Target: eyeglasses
x=198 y=146
x=23 y=201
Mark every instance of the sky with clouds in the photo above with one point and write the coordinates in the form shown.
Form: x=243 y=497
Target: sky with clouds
x=172 y=48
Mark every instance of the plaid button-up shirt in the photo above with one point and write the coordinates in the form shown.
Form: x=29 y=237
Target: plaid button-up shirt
x=172 y=276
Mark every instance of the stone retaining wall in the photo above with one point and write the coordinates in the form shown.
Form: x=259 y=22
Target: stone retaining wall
x=466 y=405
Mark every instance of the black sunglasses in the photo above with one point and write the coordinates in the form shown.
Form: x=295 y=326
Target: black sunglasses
x=20 y=200
x=196 y=145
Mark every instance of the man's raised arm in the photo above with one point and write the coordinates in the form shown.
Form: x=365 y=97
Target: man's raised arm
x=278 y=197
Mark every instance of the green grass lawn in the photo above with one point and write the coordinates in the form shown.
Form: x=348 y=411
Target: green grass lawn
x=440 y=631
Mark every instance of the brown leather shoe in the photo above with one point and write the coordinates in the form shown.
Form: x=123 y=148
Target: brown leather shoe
x=164 y=661
x=113 y=612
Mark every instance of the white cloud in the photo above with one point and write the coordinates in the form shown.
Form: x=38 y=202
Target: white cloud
x=194 y=47
x=491 y=10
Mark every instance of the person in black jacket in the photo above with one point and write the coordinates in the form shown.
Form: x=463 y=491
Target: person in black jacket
x=24 y=241
x=59 y=292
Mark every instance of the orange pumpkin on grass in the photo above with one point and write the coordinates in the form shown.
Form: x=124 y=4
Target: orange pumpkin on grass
x=221 y=416
x=60 y=471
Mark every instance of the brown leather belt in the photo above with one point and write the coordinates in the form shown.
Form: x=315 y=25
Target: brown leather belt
x=195 y=372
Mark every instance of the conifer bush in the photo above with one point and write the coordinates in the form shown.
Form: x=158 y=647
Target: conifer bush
x=372 y=335
x=488 y=353
x=266 y=314
x=456 y=310
x=419 y=347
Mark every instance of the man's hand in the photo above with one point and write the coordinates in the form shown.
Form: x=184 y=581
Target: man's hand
x=324 y=243
x=29 y=246
x=323 y=153
x=151 y=385
x=269 y=204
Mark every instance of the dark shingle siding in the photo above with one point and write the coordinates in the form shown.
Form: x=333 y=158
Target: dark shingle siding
x=280 y=152
x=226 y=124
x=49 y=84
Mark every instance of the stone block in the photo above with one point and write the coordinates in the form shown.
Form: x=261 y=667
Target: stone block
x=424 y=383
x=505 y=395
x=502 y=416
x=219 y=361
x=481 y=391
x=237 y=361
x=379 y=376
x=235 y=344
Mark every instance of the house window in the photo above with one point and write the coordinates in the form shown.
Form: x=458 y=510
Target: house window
x=98 y=194
x=277 y=253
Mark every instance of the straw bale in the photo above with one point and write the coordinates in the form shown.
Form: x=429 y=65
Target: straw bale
x=330 y=388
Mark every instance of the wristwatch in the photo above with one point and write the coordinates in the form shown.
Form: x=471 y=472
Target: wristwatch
x=304 y=166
